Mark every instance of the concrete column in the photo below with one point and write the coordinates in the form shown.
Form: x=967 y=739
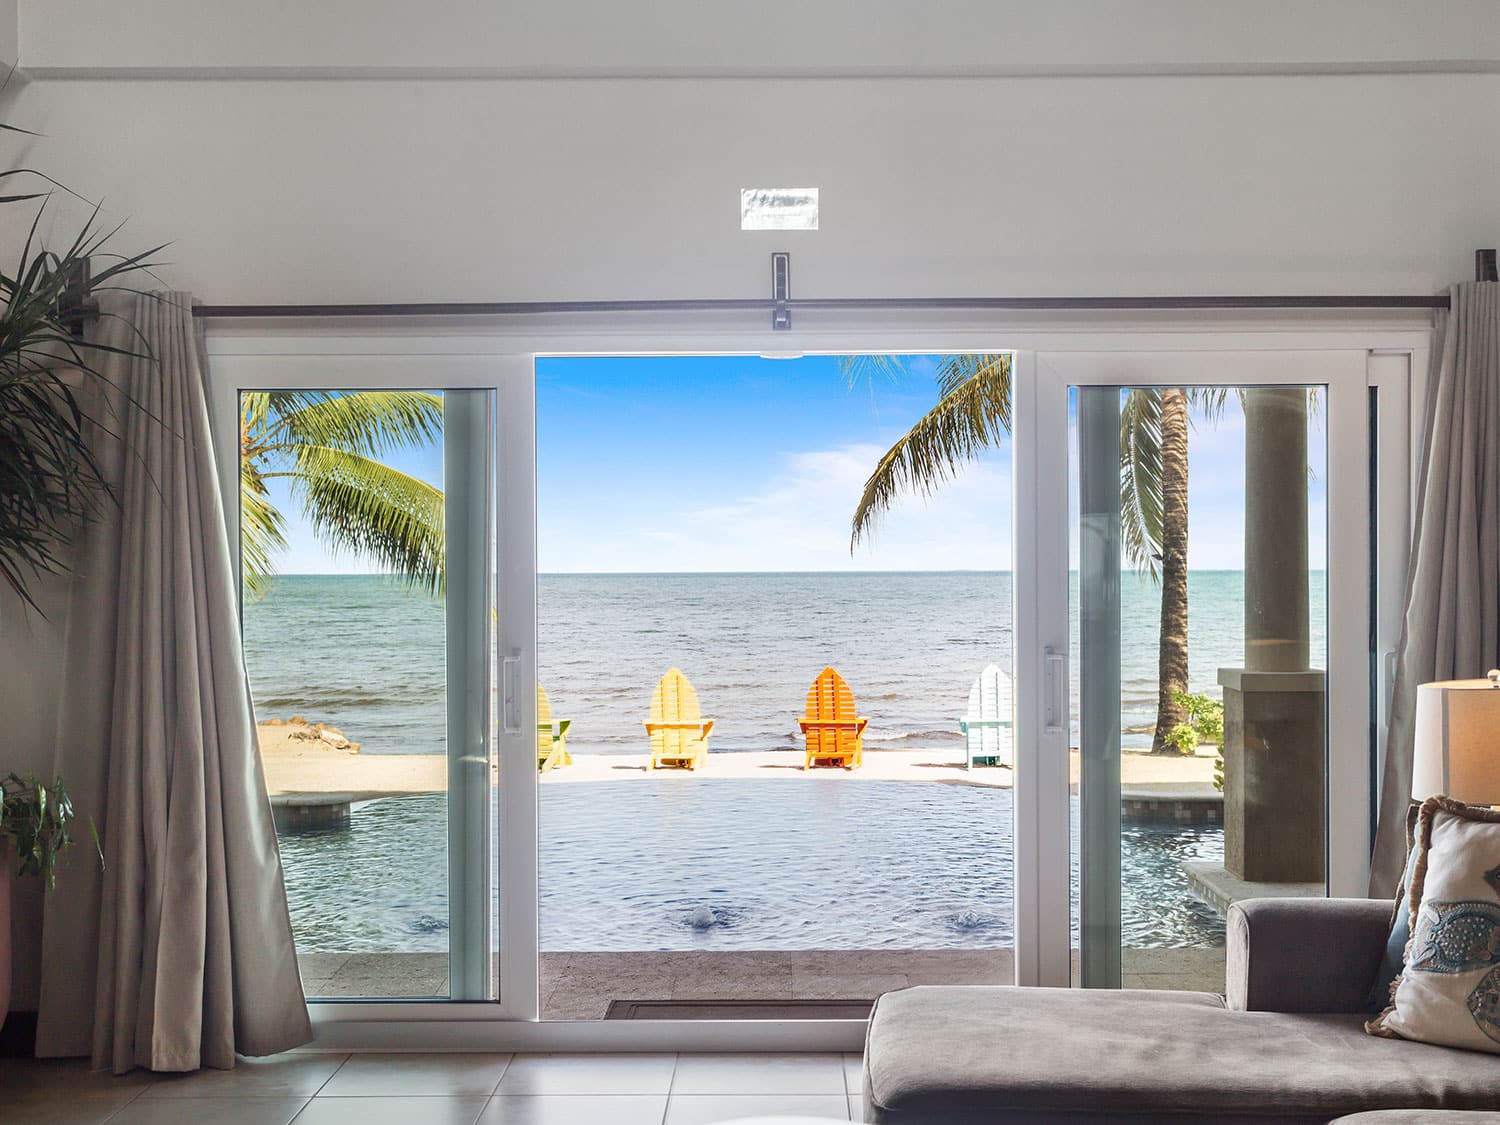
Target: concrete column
x=1274 y=707
x=1276 y=622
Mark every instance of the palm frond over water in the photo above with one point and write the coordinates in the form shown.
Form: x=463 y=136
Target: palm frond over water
x=328 y=446
x=972 y=414
x=1141 y=502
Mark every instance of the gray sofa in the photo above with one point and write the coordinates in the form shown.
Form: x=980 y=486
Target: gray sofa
x=1286 y=1045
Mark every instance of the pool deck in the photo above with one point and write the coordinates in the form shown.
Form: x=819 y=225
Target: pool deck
x=297 y=765
x=581 y=986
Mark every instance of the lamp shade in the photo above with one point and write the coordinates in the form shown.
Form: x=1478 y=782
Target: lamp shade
x=1457 y=748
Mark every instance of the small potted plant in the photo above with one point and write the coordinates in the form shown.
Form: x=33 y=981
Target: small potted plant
x=35 y=831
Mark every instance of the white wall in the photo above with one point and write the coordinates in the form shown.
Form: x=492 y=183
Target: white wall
x=1107 y=169
x=8 y=31
x=443 y=190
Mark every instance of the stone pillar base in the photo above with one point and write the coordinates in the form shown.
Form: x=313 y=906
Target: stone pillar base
x=1274 y=775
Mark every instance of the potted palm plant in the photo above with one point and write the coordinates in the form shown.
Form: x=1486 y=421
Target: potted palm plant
x=35 y=831
x=50 y=481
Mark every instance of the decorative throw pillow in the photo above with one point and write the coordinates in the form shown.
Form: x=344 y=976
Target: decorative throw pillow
x=1395 y=945
x=1449 y=991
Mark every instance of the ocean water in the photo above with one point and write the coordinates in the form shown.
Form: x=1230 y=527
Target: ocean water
x=691 y=865
x=367 y=656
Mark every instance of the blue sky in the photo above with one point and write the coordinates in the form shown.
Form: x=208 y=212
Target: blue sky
x=739 y=463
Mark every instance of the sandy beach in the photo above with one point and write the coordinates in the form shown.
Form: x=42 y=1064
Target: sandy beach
x=297 y=761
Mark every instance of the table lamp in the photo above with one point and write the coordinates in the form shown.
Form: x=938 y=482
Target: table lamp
x=1457 y=747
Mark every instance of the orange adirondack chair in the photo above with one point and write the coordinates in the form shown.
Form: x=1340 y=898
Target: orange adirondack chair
x=676 y=727
x=835 y=734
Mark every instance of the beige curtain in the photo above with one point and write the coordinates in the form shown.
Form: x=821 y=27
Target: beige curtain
x=1451 y=628
x=179 y=954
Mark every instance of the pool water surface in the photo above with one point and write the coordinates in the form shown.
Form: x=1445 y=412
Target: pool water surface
x=687 y=863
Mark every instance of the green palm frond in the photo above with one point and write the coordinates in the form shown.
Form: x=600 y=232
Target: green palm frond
x=369 y=423
x=971 y=415
x=1211 y=401
x=262 y=532
x=328 y=445
x=865 y=368
x=955 y=370
x=1141 y=505
x=360 y=505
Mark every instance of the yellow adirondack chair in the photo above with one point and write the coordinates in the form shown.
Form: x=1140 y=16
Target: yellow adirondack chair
x=677 y=729
x=551 y=740
x=835 y=734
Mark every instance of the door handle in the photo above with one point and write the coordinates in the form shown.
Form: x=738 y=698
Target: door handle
x=1056 y=675
x=510 y=689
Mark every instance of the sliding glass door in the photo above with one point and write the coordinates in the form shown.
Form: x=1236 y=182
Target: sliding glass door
x=1114 y=675
x=1216 y=612
x=382 y=511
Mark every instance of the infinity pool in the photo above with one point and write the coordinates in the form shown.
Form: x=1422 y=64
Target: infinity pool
x=685 y=863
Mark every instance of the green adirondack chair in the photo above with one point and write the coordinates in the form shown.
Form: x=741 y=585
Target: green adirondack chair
x=551 y=738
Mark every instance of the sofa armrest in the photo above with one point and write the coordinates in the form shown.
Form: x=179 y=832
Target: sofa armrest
x=1304 y=954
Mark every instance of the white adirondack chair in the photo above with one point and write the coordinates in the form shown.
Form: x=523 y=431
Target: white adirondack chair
x=987 y=726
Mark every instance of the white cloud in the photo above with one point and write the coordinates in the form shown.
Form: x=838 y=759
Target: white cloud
x=798 y=519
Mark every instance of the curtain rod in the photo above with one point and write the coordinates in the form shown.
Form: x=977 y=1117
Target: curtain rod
x=845 y=304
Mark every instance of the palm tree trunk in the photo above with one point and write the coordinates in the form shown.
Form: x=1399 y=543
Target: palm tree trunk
x=1172 y=668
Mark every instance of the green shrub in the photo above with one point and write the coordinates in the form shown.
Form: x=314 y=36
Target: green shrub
x=1205 y=725
x=1183 y=738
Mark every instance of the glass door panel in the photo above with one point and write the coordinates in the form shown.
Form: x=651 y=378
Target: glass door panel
x=1199 y=545
x=363 y=534
x=1201 y=659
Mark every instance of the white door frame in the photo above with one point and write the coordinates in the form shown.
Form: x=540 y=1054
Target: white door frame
x=501 y=356
x=1347 y=374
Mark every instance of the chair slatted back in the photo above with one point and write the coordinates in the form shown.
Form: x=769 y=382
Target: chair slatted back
x=544 y=733
x=676 y=722
x=833 y=729
x=990 y=709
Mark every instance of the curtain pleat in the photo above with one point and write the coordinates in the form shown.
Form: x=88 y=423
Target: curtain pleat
x=186 y=937
x=1451 y=626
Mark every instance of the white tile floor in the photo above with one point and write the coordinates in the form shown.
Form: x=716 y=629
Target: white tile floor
x=442 y=1089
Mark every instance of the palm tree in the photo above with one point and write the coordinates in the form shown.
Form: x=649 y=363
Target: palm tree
x=973 y=412
x=1168 y=534
x=329 y=445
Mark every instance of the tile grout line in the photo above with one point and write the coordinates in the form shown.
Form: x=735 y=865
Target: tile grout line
x=331 y=1075
x=510 y=1058
x=131 y=1100
x=666 y=1106
x=342 y=1063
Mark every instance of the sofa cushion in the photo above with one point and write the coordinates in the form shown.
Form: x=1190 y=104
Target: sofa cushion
x=994 y=1054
